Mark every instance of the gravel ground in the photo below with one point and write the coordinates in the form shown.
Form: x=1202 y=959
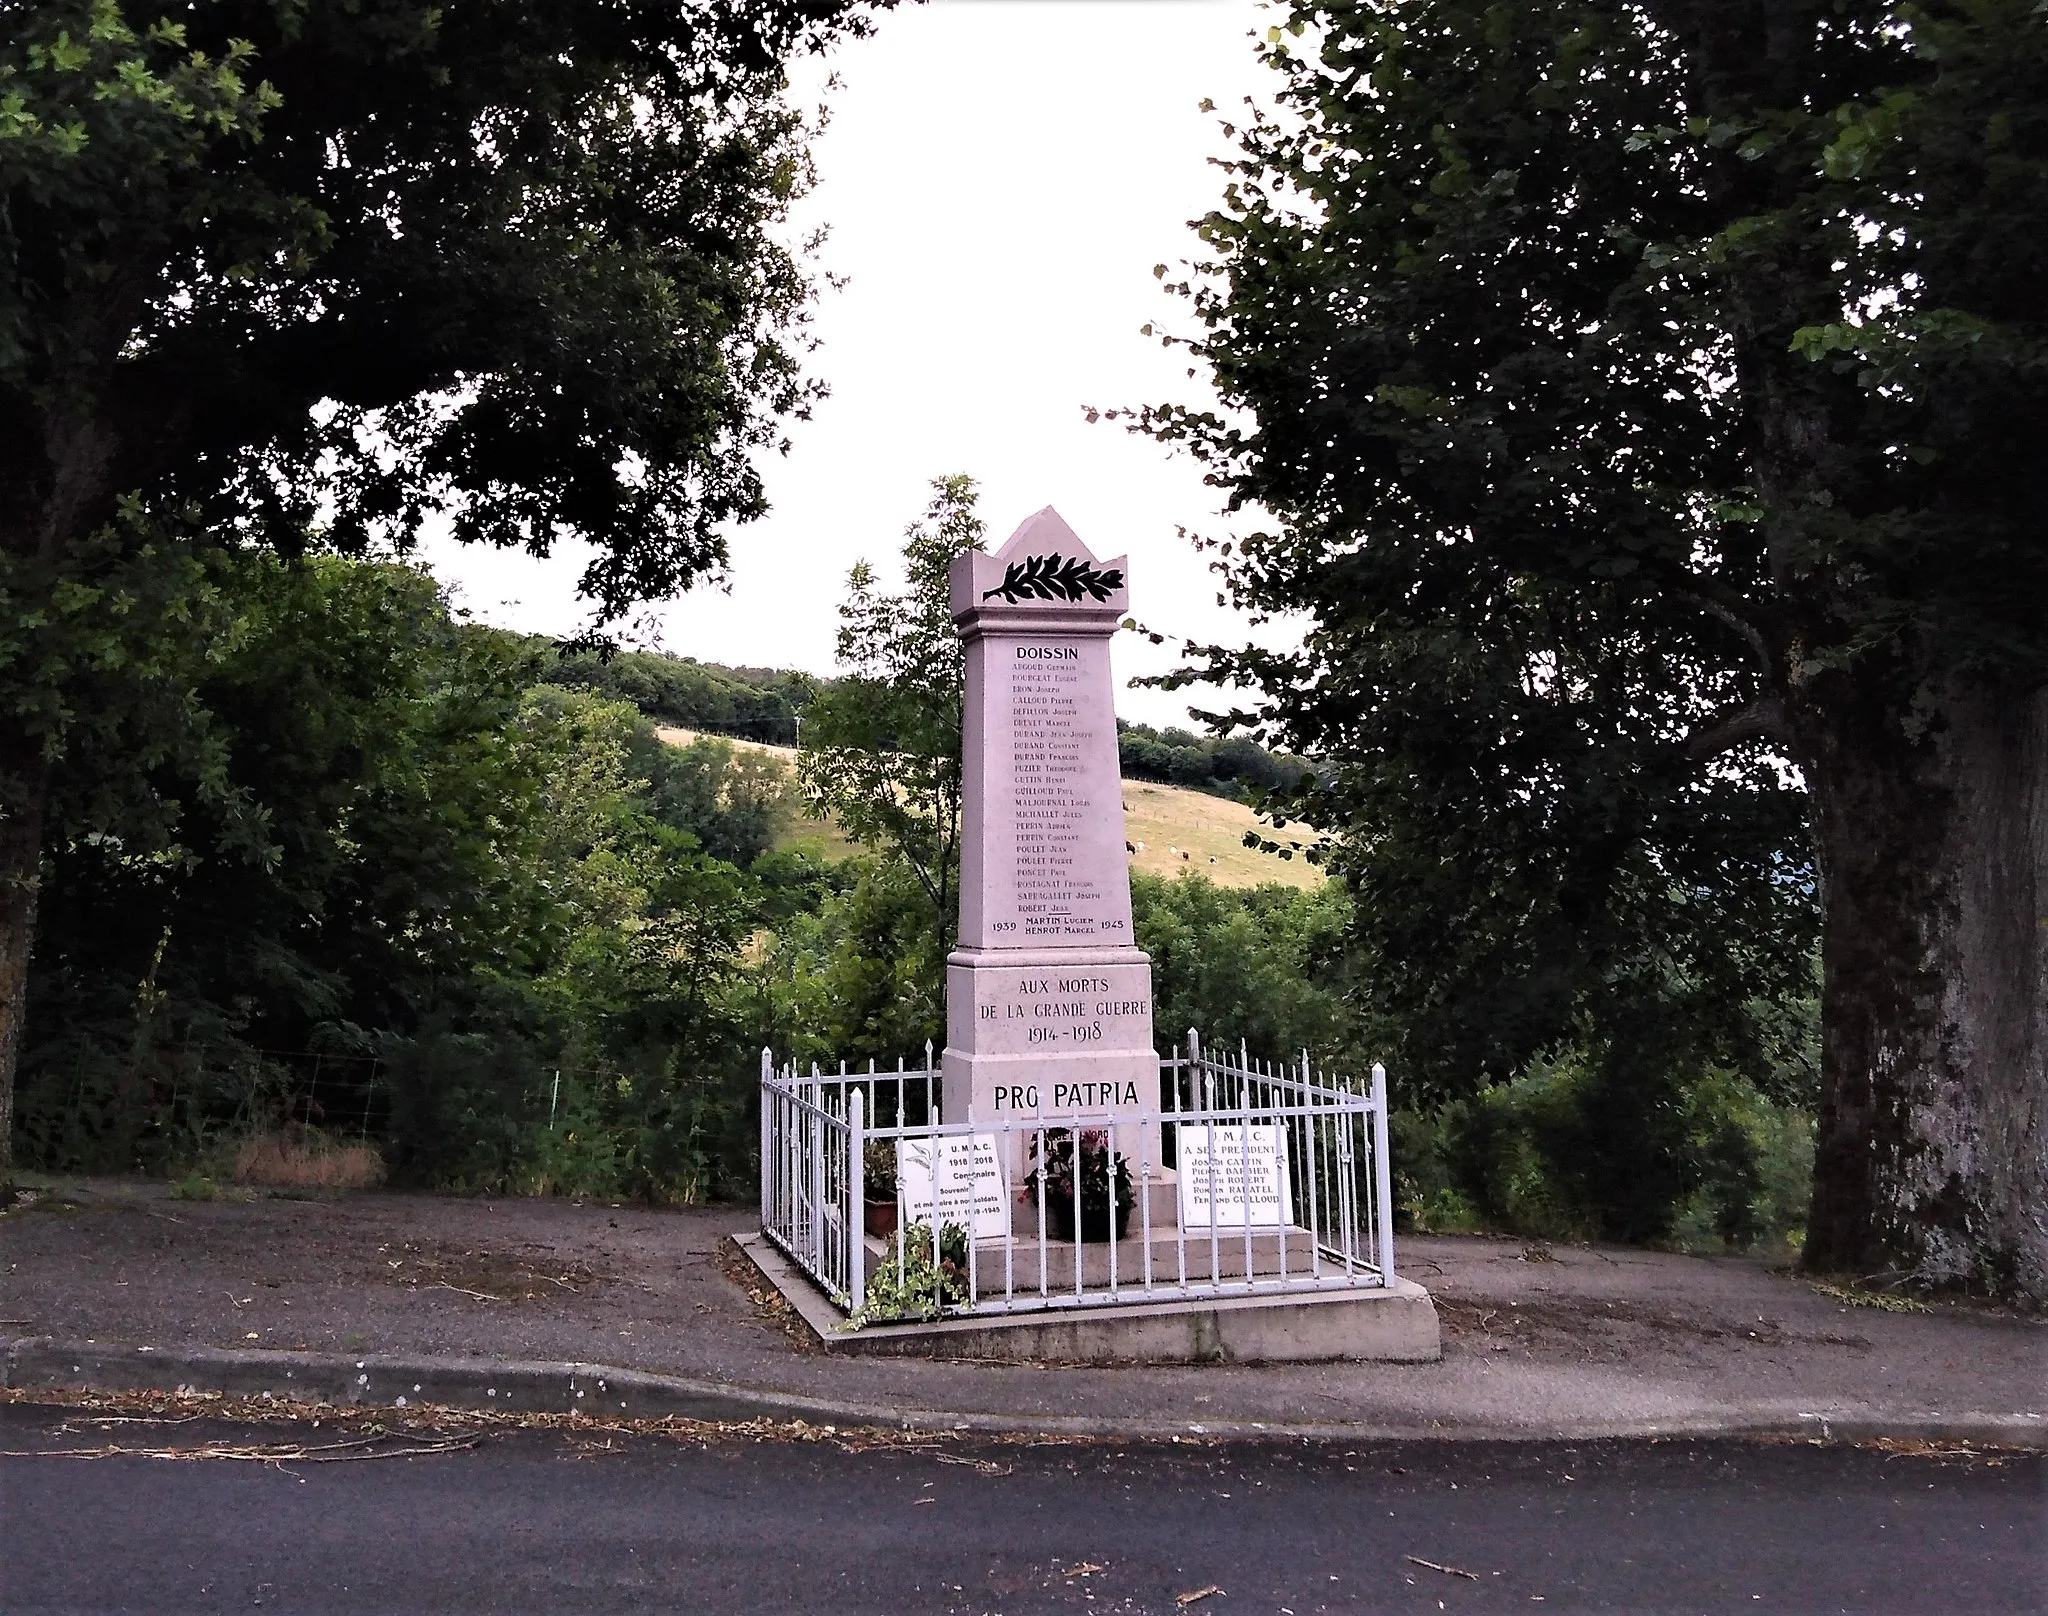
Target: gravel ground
x=1536 y=1339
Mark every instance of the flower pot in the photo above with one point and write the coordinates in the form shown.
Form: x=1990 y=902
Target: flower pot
x=1096 y=1224
x=880 y=1217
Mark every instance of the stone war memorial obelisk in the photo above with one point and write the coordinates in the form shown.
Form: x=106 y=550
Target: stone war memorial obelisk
x=1048 y=1206
x=1048 y=999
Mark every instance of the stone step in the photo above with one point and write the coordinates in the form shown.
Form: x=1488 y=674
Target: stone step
x=1158 y=1188
x=1131 y=1254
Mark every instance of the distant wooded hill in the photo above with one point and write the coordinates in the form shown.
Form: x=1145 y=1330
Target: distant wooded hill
x=764 y=704
x=754 y=704
x=1233 y=767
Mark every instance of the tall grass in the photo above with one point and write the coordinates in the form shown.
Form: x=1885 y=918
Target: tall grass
x=303 y=1158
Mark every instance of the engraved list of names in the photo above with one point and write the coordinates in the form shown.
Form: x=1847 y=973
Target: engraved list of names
x=1058 y=870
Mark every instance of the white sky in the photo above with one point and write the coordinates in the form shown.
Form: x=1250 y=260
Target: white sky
x=999 y=178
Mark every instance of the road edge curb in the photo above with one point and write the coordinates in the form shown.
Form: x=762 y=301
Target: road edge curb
x=512 y=1386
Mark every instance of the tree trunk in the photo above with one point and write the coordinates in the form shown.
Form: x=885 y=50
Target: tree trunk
x=1932 y=1158
x=24 y=790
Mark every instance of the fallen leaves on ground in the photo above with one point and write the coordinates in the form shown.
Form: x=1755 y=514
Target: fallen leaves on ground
x=488 y=1276
x=104 y=1407
x=379 y=1445
x=988 y=1467
x=769 y=1303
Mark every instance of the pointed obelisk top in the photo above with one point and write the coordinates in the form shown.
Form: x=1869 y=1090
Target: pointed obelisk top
x=1045 y=530
x=1043 y=573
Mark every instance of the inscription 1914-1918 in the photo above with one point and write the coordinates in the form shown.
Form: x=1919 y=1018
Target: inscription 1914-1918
x=1059 y=1011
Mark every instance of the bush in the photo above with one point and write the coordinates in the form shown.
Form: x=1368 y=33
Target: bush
x=915 y=1286
x=1712 y=1164
x=1263 y=966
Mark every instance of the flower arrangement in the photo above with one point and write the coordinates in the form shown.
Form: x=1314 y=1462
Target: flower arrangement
x=1085 y=1184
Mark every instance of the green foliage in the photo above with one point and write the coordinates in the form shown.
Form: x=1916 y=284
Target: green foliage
x=536 y=254
x=915 y=1286
x=863 y=977
x=878 y=1170
x=1264 y=967
x=337 y=712
x=1236 y=767
x=1500 y=684
x=307 y=278
x=755 y=704
x=735 y=803
x=445 y=886
x=1650 y=432
x=881 y=751
x=1714 y=1165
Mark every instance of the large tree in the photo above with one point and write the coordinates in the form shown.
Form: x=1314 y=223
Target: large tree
x=277 y=274
x=1651 y=403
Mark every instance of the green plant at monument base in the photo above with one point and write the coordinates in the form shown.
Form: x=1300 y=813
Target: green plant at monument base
x=1075 y=1172
x=910 y=1285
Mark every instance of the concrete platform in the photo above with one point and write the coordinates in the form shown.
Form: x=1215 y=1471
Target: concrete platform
x=1397 y=1324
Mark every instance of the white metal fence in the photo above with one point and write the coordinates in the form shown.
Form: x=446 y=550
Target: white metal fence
x=1249 y=1179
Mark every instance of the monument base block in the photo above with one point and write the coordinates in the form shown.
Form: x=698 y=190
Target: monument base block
x=1394 y=1325
x=1059 y=1036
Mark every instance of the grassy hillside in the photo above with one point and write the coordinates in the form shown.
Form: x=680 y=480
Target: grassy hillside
x=1163 y=822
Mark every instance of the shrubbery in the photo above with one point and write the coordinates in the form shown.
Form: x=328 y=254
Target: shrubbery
x=1731 y=1168
x=407 y=894
x=399 y=890
x=1235 y=767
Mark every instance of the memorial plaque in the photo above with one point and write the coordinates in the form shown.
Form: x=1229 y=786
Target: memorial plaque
x=954 y=1179
x=1048 y=1004
x=1236 y=1175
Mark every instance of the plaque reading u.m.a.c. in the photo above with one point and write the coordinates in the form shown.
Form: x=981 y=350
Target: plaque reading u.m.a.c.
x=1048 y=1002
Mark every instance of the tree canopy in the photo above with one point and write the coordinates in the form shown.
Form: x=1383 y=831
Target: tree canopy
x=345 y=268
x=305 y=278
x=1649 y=403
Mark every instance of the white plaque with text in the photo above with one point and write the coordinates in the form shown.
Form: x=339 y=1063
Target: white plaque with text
x=958 y=1177
x=1235 y=1174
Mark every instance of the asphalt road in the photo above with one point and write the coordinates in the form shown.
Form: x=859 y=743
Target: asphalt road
x=537 y=1521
